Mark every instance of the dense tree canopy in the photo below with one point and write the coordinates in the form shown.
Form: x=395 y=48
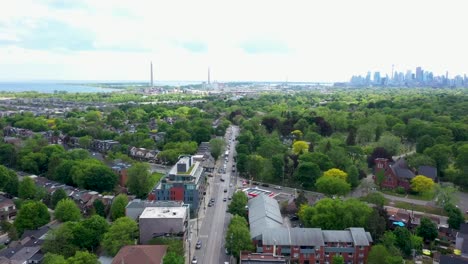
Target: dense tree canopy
x=123 y=232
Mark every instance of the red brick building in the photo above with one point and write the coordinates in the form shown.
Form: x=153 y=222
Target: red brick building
x=396 y=174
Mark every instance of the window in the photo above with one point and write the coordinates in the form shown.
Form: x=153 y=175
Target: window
x=350 y=254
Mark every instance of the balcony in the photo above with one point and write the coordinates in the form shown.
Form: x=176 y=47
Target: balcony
x=339 y=249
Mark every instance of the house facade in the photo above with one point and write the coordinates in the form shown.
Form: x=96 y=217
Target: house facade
x=7 y=209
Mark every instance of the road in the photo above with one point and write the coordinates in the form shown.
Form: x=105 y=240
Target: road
x=214 y=220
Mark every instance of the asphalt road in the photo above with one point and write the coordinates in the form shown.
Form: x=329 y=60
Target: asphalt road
x=215 y=220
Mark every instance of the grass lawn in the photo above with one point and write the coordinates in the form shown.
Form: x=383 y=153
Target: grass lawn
x=422 y=197
x=156 y=177
x=419 y=208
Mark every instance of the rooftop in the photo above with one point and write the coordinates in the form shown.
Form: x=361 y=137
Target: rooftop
x=140 y=254
x=164 y=212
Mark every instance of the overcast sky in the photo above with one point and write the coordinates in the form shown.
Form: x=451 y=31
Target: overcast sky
x=240 y=40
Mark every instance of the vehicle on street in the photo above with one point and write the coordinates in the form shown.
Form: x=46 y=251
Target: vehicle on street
x=230 y=185
x=194 y=260
x=198 y=246
x=265 y=185
x=210 y=204
x=221 y=179
x=225 y=190
x=278 y=187
x=229 y=198
x=224 y=199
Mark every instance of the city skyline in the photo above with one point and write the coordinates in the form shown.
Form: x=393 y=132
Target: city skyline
x=241 y=41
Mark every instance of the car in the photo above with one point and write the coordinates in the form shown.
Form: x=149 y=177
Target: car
x=225 y=190
x=212 y=200
x=229 y=198
x=198 y=246
x=224 y=199
x=255 y=183
x=265 y=185
x=194 y=260
x=230 y=185
x=221 y=179
x=210 y=204
x=278 y=187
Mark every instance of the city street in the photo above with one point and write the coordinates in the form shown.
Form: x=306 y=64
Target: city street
x=214 y=220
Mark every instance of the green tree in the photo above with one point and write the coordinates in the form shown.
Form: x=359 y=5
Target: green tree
x=67 y=210
x=376 y=224
x=277 y=163
x=379 y=254
x=139 y=180
x=255 y=165
x=440 y=154
x=238 y=236
x=299 y=147
x=238 y=204
x=99 y=208
x=8 y=181
x=423 y=143
x=335 y=214
x=336 y=173
x=60 y=240
x=307 y=173
x=173 y=258
x=427 y=229
x=216 y=147
x=322 y=160
x=375 y=198
x=337 y=259
x=445 y=195
x=390 y=142
x=455 y=216
x=57 y=196
x=89 y=233
x=403 y=240
x=353 y=175
x=31 y=216
x=83 y=257
x=332 y=186
x=422 y=184
x=51 y=258
x=124 y=231
x=27 y=189
x=118 y=206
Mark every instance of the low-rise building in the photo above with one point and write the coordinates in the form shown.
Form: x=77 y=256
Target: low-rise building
x=303 y=245
x=396 y=174
x=162 y=222
x=136 y=207
x=184 y=182
x=104 y=145
x=261 y=258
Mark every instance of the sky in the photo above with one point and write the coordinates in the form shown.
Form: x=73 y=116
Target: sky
x=242 y=40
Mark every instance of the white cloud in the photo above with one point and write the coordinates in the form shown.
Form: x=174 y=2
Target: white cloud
x=298 y=40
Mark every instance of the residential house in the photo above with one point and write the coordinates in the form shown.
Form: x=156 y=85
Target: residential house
x=10 y=131
x=104 y=145
x=396 y=174
x=136 y=207
x=28 y=248
x=143 y=154
x=184 y=182
x=163 y=222
x=303 y=245
x=428 y=171
x=121 y=170
x=158 y=136
x=7 y=209
x=140 y=254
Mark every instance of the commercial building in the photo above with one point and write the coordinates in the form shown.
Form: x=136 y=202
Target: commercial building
x=163 y=222
x=184 y=182
x=303 y=245
x=136 y=207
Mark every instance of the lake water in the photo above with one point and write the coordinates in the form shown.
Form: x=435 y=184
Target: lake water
x=50 y=87
x=76 y=86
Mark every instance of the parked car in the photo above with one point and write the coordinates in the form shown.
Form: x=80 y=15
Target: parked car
x=278 y=187
x=198 y=246
x=225 y=190
x=194 y=260
x=265 y=185
x=224 y=199
x=221 y=179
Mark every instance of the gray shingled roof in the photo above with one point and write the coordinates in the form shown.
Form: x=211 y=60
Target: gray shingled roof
x=337 y=236
x=428 y=171
x=264 y=213
x=360 y=237
x=292 y=236
x=400 y=169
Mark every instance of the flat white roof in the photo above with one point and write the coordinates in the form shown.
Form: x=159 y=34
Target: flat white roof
x=164 y=212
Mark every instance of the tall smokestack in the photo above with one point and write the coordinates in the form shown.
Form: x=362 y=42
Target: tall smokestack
x=151 y=74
